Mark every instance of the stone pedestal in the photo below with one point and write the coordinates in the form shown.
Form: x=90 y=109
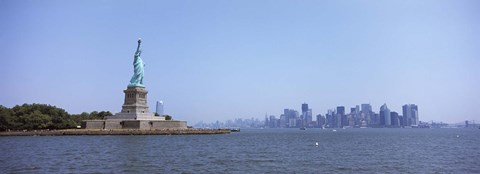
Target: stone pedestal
x=134 y=124
x=135 y=106
x=134 y=115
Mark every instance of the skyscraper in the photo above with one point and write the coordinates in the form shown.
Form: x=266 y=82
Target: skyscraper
x=394 y=117
x=304 y=107
x=159 y=108
x=291 y=117
x=304 y=116
x=273 y=122
x=415 y=114
x=375 y=119
x=407 y=114
x=283 y=121
x=342 y=118
x=366 y=113
x=366 y=108
x=341 y=110
x=309 y=116
x=354 y=118
x=331 y=119
x=266 y=120
x=385 y=117
x=410 y=114
x=320 y=120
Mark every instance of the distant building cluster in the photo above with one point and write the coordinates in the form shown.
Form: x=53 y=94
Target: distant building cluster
x=359 y=116
x=236 y=123
x=471 y=124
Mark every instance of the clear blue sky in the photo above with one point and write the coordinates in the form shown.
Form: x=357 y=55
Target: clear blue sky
x=218 y=60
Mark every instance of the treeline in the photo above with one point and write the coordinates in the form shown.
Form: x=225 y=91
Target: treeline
x=42 y=116
x=89 y=116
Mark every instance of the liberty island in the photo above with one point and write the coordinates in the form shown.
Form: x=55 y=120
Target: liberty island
x=135 y=117
x=135 y=113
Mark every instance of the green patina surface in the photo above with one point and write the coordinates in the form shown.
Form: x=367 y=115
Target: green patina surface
x=138 y=68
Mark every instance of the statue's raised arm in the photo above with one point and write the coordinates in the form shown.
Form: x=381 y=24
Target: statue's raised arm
x=138 y=52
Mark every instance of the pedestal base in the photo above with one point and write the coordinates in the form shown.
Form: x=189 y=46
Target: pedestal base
x=134 y=124
x=134 y=116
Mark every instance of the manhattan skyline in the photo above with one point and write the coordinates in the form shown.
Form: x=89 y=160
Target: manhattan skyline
x=217 y=60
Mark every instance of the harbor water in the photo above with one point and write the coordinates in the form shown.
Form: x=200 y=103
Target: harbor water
x=367 y=150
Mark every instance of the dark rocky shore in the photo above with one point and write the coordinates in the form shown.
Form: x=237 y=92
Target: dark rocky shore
x=115 y=132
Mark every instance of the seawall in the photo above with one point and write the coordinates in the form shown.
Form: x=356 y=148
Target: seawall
x=70 y=132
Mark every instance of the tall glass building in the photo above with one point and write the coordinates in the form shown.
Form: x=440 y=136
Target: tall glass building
x=159 y=108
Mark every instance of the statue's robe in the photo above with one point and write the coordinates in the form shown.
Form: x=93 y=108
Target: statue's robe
x=137 y=78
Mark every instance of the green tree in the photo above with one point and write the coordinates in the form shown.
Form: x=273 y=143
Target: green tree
x=42 y=116
x=78 y=118
x=103 y=114
x=36 y=120
x=5 y=118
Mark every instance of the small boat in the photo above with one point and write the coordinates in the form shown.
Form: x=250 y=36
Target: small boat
x=316 y=143
x=334 y=130
x=303 y=128
x=235 y=130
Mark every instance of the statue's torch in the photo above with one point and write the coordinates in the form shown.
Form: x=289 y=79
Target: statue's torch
x=139 y=41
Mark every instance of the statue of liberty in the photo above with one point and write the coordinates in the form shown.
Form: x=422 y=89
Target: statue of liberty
x=138 y=68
